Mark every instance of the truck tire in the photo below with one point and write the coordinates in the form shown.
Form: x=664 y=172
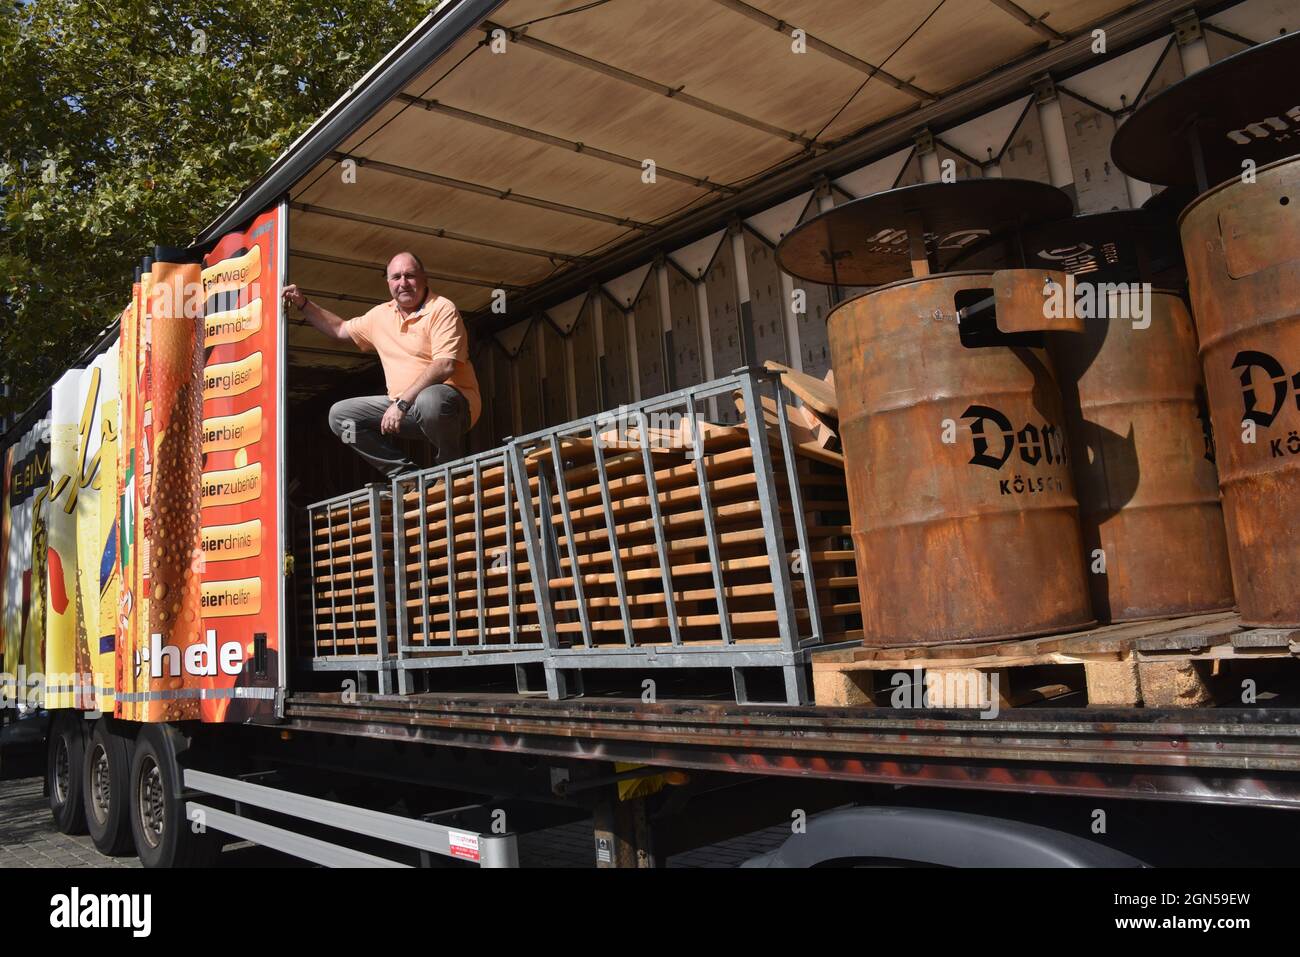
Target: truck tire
x=924 y=837
x=65 y=756
x=107 y=767
x=163 y=837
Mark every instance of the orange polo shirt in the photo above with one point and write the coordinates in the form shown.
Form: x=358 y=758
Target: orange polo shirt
x=407 y=346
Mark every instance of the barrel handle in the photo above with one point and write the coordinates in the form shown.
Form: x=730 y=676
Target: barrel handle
x=1027 y=301
x=1259 y=237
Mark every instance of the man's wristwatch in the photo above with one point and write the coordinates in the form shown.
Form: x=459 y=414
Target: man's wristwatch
x=403 y=405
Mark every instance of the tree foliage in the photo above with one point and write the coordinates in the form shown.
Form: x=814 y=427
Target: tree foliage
x=125 y=123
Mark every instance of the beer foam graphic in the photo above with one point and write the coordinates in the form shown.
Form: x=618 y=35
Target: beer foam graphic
x=95 y=503
x=235 y=325
x=126 y=545
x=223 y=543
x=173 y=591
x=224 y=432
x=229 y=379
x=227 y=599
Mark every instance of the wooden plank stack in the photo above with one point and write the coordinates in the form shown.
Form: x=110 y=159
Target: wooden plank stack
x=731 y=486
x=468 y=580
x=336 y=545
x=459 y=572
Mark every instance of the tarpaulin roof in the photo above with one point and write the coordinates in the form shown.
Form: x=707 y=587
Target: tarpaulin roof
x=510 y=144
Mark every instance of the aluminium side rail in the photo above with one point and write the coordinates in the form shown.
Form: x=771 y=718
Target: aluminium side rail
x=486 y=850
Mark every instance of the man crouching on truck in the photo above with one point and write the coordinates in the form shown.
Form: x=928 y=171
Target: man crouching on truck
x=424 y=349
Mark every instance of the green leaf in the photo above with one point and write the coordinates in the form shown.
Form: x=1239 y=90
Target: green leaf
x=97 y=86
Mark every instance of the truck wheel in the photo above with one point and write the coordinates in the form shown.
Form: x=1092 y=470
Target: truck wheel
x=107 y=766
x=63 y=778
x=163 y=837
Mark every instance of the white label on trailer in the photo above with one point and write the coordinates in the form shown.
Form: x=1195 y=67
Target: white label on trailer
x=464 y=846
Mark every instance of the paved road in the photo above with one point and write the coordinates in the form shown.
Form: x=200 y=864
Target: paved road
x=28 y=838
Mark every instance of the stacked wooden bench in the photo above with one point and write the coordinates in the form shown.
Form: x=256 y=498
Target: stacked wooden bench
x=657 y=535
x=344 y=555
x=665 y=559
x=464 y=576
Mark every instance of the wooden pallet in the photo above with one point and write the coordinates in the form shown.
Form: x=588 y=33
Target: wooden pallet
x=481 y=545
x=458 y=537
x=335 y=597
x=732 y=484
x=1195 y=661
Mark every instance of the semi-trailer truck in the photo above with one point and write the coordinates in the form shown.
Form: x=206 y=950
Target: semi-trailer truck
x=600 y=188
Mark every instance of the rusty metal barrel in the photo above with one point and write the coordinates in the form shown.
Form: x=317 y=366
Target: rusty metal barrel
x=1241 y=240
x=965 y=525
x=1137 y=420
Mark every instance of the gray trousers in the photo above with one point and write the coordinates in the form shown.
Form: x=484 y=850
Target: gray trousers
x=439 y=414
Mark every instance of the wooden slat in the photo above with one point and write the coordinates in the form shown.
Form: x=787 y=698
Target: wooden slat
x=361 y=559
x=683 y=621
x=1193 y=637
x=730 y=542
x=619 y=464
x=677 y=488
x=756 y=563
x=631 y=529
x=354 y=541
x=1266 y=638
x=585 y=507
x=1105 y=640
x=623 y=465
x=816 y=394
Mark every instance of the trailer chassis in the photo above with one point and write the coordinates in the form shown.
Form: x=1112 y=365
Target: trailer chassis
x=1222 y=756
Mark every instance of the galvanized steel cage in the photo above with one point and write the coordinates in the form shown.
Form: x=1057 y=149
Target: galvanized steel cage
x=465 y=591
x=348 y=602
x=639 y=538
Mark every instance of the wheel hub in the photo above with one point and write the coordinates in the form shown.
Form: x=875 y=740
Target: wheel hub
x=151 y=803
x=62 y=772
x=100 y=785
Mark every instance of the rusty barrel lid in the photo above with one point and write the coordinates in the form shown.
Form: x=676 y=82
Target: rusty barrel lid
x=1199 y=131
x=1127 y=245
x=866 y=242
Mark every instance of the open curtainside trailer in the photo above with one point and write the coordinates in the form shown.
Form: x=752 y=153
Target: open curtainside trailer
x=792 y=498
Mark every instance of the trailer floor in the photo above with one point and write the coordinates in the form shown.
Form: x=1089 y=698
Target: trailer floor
x=1248 y=756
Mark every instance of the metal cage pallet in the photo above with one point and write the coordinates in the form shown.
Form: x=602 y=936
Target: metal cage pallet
x=345 y=620
x=640 y=538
